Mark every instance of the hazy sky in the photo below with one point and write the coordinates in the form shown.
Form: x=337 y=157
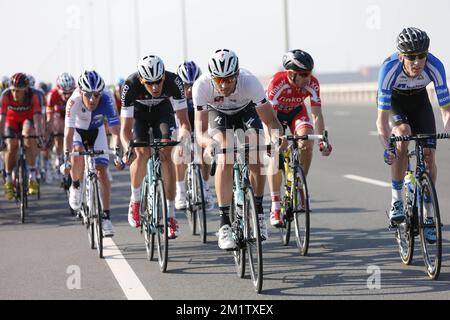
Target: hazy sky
x=47 y=37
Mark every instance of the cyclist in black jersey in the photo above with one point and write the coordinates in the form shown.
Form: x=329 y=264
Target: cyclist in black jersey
x=150 y=99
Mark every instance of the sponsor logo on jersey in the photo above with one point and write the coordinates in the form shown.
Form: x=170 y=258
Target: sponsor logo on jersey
x=218 y=120
x=441 y=91
x=98 y=119
x=123 y=96
x=219 y=99
x=19 y=108
x=278 y=87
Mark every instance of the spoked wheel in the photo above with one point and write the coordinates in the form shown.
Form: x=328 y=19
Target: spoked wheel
x=253 y=240
x=145 y=217
x=89 y=214
x=162 y=225
x=22 y=189
x=190 y=198
x=430 y=226
x=405 y=231
x=286 y=215
x=97 y=215
x=199 y=204
x=301 y=210
x=239 y=253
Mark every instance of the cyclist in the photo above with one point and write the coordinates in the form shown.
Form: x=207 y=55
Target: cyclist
x=287 y=92
x=84 y=125
x=150 y=97
x=225 y=98
x=20 y=110
x=188 y=71
x=117 y=94
x=4 y=84
x=56 y=111
x=402 y=94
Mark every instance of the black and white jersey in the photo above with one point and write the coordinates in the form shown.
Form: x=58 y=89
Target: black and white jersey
x=135 y=96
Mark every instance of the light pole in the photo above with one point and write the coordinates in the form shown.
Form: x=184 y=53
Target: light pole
x=138 y=33
x=184 y=29
x=286 y=26
x=111 y=43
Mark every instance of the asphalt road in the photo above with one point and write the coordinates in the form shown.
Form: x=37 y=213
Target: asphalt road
x=49 y=257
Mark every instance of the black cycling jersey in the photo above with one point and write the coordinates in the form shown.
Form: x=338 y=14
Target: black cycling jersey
x=149 y=112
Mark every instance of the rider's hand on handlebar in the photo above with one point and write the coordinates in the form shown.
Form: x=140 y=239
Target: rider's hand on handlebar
x=118 y=162
x=66 y=166
x=325 y=148
x=130 y=156
x=389 y=156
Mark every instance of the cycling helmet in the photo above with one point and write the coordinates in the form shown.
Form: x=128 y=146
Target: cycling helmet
x=121 y=82
x=413 y=40
x=151 y=68
x=44 y=87
x=20 y=80
x=298 y=60
x=223 y=63
x=65 y=82
x=189 y=72
x=5 y=82
x=90 y=81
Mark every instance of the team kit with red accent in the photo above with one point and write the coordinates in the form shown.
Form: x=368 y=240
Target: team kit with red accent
x=156 y=104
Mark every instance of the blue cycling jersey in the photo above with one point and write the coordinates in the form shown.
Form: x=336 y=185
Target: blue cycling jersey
x=79 y=117
x=392 y=76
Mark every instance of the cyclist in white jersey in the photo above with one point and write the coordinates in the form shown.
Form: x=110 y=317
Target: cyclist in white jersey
x=231 y=98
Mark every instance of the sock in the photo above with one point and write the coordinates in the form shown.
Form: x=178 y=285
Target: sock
x=8 y=176
x=76 y=184
x=181 y=187
x=205 y=185
x=397 y=191
x=136 y=194
x=224 y=210
x=276 y=205
x=171 y=208
x=32 y=175
x=106 y=214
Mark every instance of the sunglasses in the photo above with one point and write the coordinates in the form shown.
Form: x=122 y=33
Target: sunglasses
x=89 y=95
x=226 y=80
x=158 y=82
x=18 y=89
x=413 y=57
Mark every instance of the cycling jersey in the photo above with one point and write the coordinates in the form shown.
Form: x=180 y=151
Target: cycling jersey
x=79 y=117
x=56 y=103
x=17 y=113
x=248 y=92
x=285 y=97
x=393 y=78
x=136 y=98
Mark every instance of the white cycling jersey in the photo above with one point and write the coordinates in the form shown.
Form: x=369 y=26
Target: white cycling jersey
x=249 y=91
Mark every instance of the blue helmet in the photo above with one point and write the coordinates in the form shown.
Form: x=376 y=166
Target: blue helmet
x=90 y=81
x=189 y=72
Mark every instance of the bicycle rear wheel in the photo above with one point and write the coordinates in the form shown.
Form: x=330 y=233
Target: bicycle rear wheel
x=160 y=210
x=405 y=231
x=430 y=222
x=286 y=215
x=239 y=252
x=97 y=214
x=301 y=210
x=199 y=204
x=253 y=240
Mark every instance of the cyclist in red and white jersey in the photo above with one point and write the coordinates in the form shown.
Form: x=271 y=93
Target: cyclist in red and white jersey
x=287 y=92
x=56 y=111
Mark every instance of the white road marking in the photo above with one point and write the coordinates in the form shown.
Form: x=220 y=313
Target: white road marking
x=373 y=133
x=368 y=180
x=129 y=282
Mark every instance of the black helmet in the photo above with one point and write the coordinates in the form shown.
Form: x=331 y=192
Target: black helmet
x=413 y=40
x=298 y=60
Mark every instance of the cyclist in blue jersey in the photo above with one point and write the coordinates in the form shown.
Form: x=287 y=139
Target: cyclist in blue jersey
x=84 y=125
x=402 y=94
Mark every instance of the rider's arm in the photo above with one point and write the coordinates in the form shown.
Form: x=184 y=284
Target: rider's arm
x=68 y=139
x=317 y=117
x=37 y=114
x=384 y=130
x=185 y=125
x=201 y=129
x=446 y=118
x=2 y=116
x=115 y=131
x=268 y=116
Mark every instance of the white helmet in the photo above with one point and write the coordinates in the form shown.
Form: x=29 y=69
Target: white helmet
x=151 y=68
x=65 y=82
x=223 y=63
x=90 y=81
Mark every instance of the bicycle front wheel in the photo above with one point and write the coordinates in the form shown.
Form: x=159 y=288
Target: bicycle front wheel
x=430 y=226
x=301 y=210
x=285 y=229
x=199 y=204
x=160 y=212
x=190 y=199
x=239 y=252
x=97 y=214
x=23 y=189
x=405 y=230
x=253 y=240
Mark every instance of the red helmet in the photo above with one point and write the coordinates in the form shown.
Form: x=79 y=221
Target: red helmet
x=19 y=80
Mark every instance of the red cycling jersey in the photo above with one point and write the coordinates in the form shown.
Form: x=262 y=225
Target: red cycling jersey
x=56 y=103
x=289 y=101
x=17 y=113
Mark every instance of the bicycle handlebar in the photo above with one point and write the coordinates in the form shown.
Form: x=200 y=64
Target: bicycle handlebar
x=418 y=137
x=92 y=153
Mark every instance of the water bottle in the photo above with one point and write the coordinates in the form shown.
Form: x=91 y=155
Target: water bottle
x=409 y=181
